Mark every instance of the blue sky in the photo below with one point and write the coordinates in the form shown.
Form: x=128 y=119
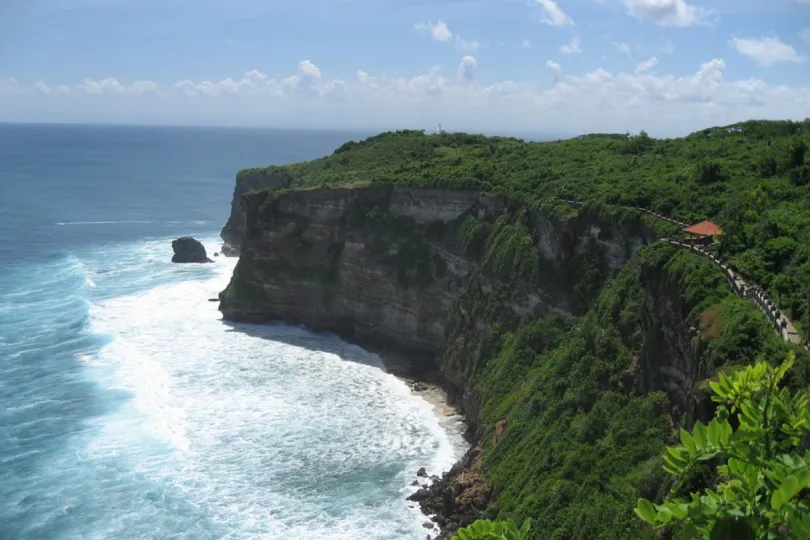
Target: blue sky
x=556 y=66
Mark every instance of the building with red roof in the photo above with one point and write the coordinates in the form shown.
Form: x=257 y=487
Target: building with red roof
x=705 y=228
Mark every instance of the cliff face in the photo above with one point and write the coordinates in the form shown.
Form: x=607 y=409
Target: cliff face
x=417 y=270
x=671 y=357
x=483 y=290
x=234 y=230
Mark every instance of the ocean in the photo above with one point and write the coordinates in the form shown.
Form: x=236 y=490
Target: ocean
x=129 y=409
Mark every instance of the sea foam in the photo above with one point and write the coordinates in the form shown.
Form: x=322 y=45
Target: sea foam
x=215 y=430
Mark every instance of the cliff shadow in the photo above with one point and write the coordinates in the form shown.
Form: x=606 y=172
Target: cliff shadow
x=412 y=365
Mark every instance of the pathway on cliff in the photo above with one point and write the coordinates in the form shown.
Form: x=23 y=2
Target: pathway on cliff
x=748 y=291
x=783 y=326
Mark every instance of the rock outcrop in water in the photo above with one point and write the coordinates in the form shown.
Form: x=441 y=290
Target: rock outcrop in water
x=189 y=250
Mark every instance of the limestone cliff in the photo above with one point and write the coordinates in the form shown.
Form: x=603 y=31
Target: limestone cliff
x=671 y=357
x=246 y=181
x=509 y=304
x=419 y=270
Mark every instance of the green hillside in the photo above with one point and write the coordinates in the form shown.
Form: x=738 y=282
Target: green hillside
x=572 y=435
x=753 y=178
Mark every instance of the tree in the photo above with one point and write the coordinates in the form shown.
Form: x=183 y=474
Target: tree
x=484 y=529
x=763 y=465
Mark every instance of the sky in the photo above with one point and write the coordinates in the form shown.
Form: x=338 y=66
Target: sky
x=531 y=66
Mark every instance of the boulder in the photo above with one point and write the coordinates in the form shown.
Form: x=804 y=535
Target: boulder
x=421 y=495
x=229 y=251
x=189 y=250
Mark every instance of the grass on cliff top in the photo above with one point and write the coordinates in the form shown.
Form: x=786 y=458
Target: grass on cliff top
x=753 y=178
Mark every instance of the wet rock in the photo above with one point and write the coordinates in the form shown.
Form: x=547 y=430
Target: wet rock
x=415 y=483
x=420 y=495
x=427 y=525
x=189 y=250
x=421 y=472
x=229 y=251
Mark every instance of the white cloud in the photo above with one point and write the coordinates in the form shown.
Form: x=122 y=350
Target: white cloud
x=467 y=46
x=597 y=100
x=805 y=33
x=766 y=50
x=112 y=86
x=439 y=31
x=647 y=65
x=526 y=44
x=308 y=68
x=676 y=13
x=555 y=69
x=622 y=48
x=466 y=69
x=42 y=88
x=572 y=47
x=551 y=13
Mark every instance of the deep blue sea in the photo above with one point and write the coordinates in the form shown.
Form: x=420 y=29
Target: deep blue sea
x=128 y=409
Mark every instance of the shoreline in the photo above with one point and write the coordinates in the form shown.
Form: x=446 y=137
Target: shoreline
x=427 y=490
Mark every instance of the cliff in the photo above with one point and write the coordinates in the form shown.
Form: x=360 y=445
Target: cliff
x=574 y=353
x=388 y=265
x=246 y=182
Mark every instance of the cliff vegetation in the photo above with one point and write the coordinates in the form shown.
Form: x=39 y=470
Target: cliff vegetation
x=753 y=178
x=577 y=347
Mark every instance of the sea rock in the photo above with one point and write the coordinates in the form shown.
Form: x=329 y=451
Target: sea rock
x=420 y=495
x=189 y=250
x=421 y=472
x=229 y=251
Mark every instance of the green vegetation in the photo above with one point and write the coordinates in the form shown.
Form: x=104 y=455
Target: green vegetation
x=484 y=529
x=763 y=463
x=753 y=178
x=573 y=412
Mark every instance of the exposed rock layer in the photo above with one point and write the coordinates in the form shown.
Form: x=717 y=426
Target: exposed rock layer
x=246 y=181
x=385 y=265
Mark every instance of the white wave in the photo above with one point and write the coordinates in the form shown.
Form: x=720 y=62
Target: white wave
x=108 y=222
x=270 y=431
x=128 y=222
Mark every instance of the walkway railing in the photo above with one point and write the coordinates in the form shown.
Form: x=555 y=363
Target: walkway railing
x=748 y=291
x=780 y=323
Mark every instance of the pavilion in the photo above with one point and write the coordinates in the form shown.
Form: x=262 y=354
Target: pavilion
x=705 y=230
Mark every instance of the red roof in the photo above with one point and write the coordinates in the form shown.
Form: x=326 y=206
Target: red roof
x=706 y=227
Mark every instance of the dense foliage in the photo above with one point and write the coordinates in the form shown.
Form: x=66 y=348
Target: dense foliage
x=484 y=529
x=763 y=463
x=753 y=178
x=583 y=433
x=572 y=426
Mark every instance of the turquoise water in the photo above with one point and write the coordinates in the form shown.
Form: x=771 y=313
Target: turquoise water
x=128 y=409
